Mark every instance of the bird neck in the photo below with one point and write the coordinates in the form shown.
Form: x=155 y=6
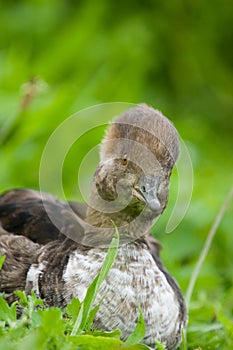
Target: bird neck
x=131 y=224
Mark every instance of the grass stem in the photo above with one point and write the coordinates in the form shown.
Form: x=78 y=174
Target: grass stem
x=206 y=247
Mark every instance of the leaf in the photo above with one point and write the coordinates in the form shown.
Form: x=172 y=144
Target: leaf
x=23 y=301
x=28 y=302
x=36 y=318
x=72 y=309
x=91 y=317
x=77 y=325
x=95 y=343
x=136 y=347
x=52 y=322
x=226 y=322
x=96 y=283
x=139 y=331
x=8 y=313
x=114 y=334
x=159 y=346
x=34 y=301
x=183 y=345
x=2 y=259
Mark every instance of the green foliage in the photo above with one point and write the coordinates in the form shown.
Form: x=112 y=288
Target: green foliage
x=139 y=331
x=8 y=313
x=176 y=56
x=159 y=346
x=2 y=259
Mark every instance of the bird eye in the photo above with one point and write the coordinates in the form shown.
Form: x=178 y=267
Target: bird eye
x=124 y=160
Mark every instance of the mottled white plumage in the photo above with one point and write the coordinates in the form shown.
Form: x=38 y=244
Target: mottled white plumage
x=135 y=279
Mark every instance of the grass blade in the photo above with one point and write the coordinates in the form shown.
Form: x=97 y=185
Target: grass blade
x=91 y=317
x=2 y=259
x=78 y=321
x=206 y=247
x=96 y=283
x=139 y=331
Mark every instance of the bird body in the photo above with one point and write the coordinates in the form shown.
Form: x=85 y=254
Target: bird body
x=57 y=253
x=134 y=279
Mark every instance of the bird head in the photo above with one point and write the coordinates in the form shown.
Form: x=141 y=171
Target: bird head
x=137 y=156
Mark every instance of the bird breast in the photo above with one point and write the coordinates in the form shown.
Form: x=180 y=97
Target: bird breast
x=135 y=279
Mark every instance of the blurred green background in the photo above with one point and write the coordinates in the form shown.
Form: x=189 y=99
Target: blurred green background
x=57 y=57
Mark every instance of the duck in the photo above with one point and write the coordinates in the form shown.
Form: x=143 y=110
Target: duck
x=56 y=248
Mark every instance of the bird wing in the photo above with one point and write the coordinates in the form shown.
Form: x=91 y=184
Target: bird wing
x=40 y=217
x=32 y=227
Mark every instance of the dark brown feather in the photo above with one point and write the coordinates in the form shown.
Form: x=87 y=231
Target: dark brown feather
x=20 y=253
x=28 y=213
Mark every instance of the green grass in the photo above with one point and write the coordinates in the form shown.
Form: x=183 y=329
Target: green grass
x=176 y=56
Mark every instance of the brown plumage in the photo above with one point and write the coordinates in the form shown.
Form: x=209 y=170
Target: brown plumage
x=57 y=248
